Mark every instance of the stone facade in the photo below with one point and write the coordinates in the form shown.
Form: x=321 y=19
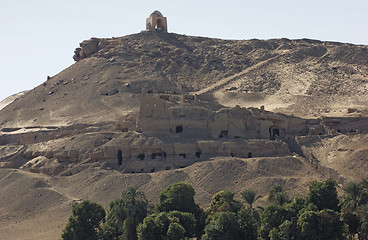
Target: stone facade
x=189 y=116
x=156 y=21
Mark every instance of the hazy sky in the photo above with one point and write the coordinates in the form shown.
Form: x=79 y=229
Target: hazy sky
x=38 y=37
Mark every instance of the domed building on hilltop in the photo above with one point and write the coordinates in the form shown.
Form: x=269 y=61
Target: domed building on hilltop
x=156 y=21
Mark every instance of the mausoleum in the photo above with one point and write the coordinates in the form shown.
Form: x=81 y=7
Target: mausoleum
x=156 y=21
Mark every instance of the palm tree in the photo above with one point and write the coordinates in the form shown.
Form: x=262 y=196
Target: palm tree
x=250 y=197
x=277 y=195
x=364 y=183
x=131 y=196
x=352 y=195
x=362 y=212
x=224 y=201
x=127 y=212
x=227 y=200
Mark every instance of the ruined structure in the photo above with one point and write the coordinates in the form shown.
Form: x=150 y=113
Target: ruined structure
x=170 y=131
x=156 y=21
x=191 y=117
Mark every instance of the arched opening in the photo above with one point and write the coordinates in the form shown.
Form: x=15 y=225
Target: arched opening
x=120 y=157
x=159 y=24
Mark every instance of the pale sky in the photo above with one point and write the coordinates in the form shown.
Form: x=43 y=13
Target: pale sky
x=38 y=37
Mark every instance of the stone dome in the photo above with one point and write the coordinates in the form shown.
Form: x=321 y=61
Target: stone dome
x=157 y=13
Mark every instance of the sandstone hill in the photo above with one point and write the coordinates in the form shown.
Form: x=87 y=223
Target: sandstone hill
x=305 y=77
x=56 y=140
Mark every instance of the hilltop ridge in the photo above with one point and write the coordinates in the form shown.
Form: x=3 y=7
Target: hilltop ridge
x=302 y=77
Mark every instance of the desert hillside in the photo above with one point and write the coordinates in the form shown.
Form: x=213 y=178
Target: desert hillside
x=37 y=206
x=304 y=77
x=155 y=108
x=11 y=99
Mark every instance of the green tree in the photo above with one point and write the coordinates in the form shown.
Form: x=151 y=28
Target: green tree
x=126 y=213
x=362 y=212
x=298 y=204
x=224 y=201
x=283 y=232
x=187 y=220
x=150 y=229
x=175 y=231
x=272 y=217
x=277 y=195
x=330 y=224
x=85 y=221
x=180 y=196
x=351 y=219
x=364 y=183
x=308 y=225
x=229 y=225
x=248 y=224
x=321 y=225
x=352 y=195
x=224 y=225
x=250 y=197
x=324 y=195
x=163 y=226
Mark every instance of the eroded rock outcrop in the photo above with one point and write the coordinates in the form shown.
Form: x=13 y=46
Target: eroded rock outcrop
x=87 y=48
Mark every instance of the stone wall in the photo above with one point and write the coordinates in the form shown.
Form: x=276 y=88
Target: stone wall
x=181 y=154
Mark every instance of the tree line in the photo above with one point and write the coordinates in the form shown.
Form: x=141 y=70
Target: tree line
x=319 y=215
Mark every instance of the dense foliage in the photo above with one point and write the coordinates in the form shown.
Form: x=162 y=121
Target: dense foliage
x=319 y=215
x=84 y=222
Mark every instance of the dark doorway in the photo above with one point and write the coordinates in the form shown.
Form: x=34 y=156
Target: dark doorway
x=223 y=133
x=274 y=133
x=141 y=156
x=198 y=154
x=179 y=129
x=120 y=157
x=250 y=155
